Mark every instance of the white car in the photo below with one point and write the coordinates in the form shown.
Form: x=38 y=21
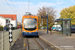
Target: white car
x=55 y=26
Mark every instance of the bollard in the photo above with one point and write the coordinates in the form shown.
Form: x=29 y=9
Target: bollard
x=10 y=35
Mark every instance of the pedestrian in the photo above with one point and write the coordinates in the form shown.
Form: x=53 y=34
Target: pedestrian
x=5 y=27
x=50 y=29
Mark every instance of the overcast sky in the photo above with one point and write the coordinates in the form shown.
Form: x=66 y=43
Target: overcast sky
x=19 y=7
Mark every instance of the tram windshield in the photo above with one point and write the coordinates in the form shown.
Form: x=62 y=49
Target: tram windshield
x=30 y=23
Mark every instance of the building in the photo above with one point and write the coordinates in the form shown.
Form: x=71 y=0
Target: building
x=4 y=18
x=2 y=21
x=18 y=23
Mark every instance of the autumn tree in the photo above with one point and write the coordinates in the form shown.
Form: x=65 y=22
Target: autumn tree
x=68 y=13
x=43 y=12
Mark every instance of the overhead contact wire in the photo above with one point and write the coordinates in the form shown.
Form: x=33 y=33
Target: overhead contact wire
x=28 y=4
x=9 y=5
x=15 y=8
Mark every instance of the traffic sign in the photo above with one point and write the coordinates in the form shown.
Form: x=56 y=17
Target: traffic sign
x=44 y=17
x=10 y=30
x=10 y=26
x=10 y=33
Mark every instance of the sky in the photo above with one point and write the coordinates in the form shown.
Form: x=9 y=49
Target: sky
x=19 y=7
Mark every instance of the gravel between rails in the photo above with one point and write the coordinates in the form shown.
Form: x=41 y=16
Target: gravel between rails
x=32 y=44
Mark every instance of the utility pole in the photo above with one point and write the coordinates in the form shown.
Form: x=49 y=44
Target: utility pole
x=47 y=23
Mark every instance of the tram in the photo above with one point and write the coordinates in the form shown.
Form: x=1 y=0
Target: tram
x=29 y=25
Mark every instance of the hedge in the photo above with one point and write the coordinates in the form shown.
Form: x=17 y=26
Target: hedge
x=1 y=28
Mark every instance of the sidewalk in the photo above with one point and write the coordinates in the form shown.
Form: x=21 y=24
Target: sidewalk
x=58 y=41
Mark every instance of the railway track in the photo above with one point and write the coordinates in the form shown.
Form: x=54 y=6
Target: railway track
x=36 y=44
x=26 y=43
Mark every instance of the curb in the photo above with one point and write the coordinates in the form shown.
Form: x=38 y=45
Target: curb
x=52 y=45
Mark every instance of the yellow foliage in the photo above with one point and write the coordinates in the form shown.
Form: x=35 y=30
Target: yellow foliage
x=68 y=13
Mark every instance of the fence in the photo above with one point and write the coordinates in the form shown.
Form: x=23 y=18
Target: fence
x=4 y=39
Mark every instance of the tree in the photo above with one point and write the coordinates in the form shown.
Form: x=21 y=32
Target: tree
x=68 y=13
x=43 y=12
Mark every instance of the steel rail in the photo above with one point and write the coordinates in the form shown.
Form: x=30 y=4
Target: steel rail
x=39 y=44
x=27 y=45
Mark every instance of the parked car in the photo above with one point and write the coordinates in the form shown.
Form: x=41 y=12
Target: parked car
x=58 y=28
x=55 y=26
x=19 y=26
x=73 y=28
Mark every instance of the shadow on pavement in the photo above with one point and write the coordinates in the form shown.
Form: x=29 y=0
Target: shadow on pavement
x=31 y=36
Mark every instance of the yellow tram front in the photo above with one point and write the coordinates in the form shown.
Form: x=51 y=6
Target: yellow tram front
x=30 y=25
